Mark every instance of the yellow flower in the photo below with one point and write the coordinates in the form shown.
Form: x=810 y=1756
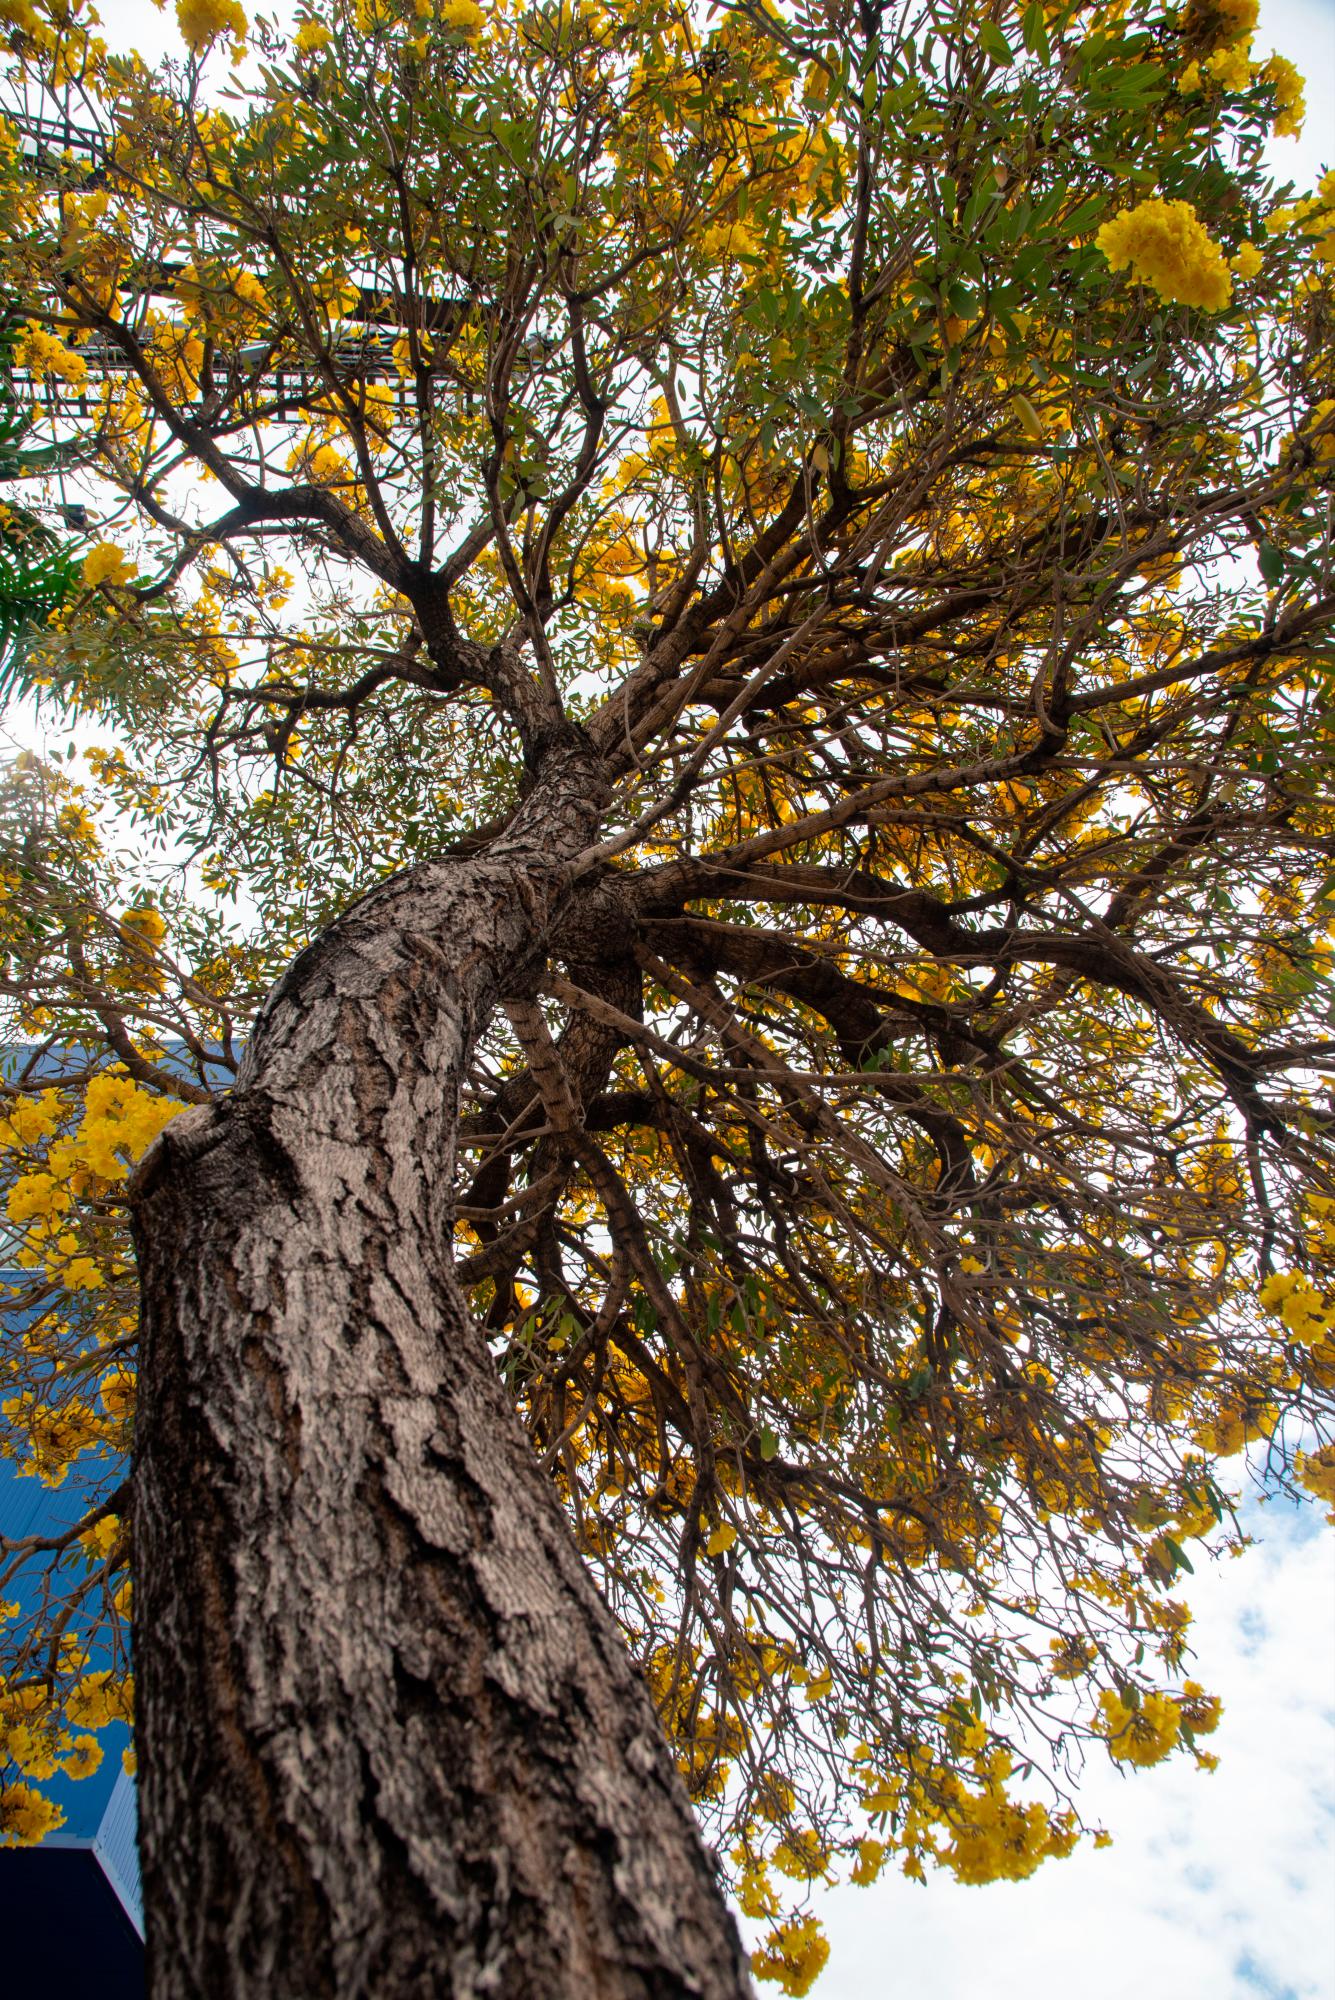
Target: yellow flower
x=1231 y=67
x=1199 y=1711
x=101 y=1539
x=21 y=14
x=144 y=924
x=246 y=286
x=802 y=1856
x=312 y=35
x=1141 y=1735
x=1287 y=85
x=42 y=354
x=106 y=564
x=98 y=1700
x=870 y=1861
x=465 y=16
x=119 y=1122
x=36 y=1197
x=1316 y=1471
x=75 y=822
x=83 y=1759
x=26 y=1817
x=1287 y=1294
x=117 y=1394
x=31 y=1118
x=754 y=1893
x=81 y=1274
x=201 y=21
x=1071 y=1657
x=1168 y=248
x=1246 y=262
x=1324 y=446
x=792 y=1955
x=1237 y=17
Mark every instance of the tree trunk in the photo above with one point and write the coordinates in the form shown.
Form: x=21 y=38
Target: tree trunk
x=391 y=1742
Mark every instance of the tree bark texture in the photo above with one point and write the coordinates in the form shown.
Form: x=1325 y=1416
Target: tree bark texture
x=391 y=1742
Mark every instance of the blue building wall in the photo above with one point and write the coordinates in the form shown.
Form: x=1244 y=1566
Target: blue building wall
x=71 y=1909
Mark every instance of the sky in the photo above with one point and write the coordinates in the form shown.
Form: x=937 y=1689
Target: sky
x=1217 y=1887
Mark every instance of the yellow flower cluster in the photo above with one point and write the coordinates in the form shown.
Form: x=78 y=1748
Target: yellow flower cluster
x=1071 y=1657
x=202 y=21
x=1200 y=1711
x=42 y=354
x=40 y=1751
x=248 y=289
x=1143 y=1734
x=120 y=1121
x=1147 y=1730
x=1235 y=17
x=996 y=1838
x=106 y=564
x=143 y=924
x=792 y=1955
x=177 y=355
x=19 y=14
x=1302 y=1309
x=37 y=1198
x=25 y=1120
x=55 y=1437
x=100 y=1698
x=36 y=1732
x=26 y=1817
x=981 y=1834
x=1286 y=85
x=1169 y=249
x=1313 y=217
x=321 y=464
x=37 y=1740
x=1316 y=1471
x=464 y=16
x=1231 y=66
x=1005 y=1841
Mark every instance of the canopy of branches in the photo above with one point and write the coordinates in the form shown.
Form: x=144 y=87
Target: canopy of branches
x=902 y=438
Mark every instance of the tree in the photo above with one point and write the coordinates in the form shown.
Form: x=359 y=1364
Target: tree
x=719 y=632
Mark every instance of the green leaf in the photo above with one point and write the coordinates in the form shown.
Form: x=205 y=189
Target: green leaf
x=994 y=43
x=1270 y=562
x=1035 y=31
x=769 y=1443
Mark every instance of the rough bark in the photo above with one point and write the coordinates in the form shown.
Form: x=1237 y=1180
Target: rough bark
x=391 y=1742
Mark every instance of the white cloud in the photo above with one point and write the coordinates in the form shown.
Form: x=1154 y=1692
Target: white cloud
x=1216 y=1885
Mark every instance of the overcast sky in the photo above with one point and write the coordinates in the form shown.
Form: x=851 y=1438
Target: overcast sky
x=1218 y=1887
